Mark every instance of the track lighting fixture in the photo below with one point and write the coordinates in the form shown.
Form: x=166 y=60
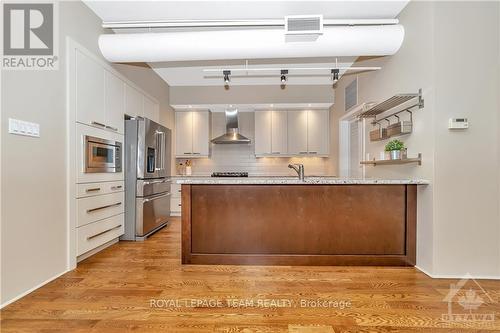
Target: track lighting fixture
x=335 y=74
x=284 y=72
x=226 y=74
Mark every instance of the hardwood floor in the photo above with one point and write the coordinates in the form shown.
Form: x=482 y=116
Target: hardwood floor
x=143 y=287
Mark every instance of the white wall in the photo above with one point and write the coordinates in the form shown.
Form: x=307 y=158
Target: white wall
x=458 y=227
x=242 y=157
x=33 y=170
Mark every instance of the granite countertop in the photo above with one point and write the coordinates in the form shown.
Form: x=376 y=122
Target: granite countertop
x=278 y=180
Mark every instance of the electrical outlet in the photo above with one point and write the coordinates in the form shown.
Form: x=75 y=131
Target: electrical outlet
x=21 y=127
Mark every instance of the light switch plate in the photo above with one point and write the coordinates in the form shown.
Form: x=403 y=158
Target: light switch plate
x=21 y=127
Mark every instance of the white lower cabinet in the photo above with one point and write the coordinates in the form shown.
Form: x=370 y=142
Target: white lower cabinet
x=175 y=200
x=91 y=189
x=95 y=234
x=99 y=207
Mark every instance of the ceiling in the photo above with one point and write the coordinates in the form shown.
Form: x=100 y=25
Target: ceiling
x=191 y=73
x=195 y=76
x=220 y=10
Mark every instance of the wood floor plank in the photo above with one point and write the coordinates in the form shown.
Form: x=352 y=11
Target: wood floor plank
x=113 y=291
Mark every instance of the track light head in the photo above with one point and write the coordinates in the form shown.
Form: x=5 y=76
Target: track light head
x=335 y=74
x=226 y=74
x=283 y=78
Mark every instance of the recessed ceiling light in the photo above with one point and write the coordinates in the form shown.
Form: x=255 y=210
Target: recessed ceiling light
x=272 y=105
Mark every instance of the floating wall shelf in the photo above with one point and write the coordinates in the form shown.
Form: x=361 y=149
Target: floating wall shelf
x=417 y=160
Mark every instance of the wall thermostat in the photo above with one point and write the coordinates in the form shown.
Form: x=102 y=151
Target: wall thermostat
x=458 y=123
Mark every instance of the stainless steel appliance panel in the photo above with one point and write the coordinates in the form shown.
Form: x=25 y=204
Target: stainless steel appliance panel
x=151 y=213
x=147 y=187
x=153 y=150
x=147 y=198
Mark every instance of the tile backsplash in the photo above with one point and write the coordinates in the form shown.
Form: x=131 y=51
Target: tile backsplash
x=241 y=157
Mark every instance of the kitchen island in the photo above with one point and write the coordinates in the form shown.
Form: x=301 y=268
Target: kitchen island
x=286 y=221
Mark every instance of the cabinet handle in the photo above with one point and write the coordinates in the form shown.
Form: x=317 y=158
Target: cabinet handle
x=187 y=153
x=103 y=232
x=196 y=153
x=179 y=191
x=313 y=152
x=180 y=205
x=112 y=128
x=275 y=152
x=116 y=187
x=302 y=152
x=93 y=189
x=103 y=207
x=97 y=123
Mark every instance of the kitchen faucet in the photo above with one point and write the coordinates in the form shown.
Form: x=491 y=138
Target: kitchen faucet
x=299 y=168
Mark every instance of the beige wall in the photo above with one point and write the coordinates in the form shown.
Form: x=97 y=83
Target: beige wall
x=33 y=170
x=250 y=94
x=458 y=215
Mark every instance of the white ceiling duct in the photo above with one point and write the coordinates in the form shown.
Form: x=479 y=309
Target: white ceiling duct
x=250 y=44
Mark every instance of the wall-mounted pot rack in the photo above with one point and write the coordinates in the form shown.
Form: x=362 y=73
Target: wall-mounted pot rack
x=400 y=127
x=394 y=102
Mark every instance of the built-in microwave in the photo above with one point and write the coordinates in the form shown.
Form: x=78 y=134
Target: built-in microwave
x=102 y=155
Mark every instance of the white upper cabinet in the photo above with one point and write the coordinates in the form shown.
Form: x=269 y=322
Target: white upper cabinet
x=89 y=91
x=133 y=102
x=297 y=132
x=114 y=103
x=279 y=133
x=308 y=132
x=192 y=134
x=271 y=133
x=183 y=134
x=262 y=136
x=151 y=109
x=317 y=132
x=201 y=135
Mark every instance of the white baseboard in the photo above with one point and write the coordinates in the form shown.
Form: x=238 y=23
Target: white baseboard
x=458 y=276
x=32 y=289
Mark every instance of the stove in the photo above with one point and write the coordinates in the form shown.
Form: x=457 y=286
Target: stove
x=230 y=174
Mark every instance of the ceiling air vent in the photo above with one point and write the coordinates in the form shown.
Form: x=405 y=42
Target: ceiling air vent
x=304 y=25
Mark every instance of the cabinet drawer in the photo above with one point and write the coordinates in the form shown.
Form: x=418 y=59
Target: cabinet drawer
x=99 y=207
x=175 y=204
x=175 y=189
x=91 y=189
x=95 y=234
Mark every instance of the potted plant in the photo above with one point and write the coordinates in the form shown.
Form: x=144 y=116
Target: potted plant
x=394 y=148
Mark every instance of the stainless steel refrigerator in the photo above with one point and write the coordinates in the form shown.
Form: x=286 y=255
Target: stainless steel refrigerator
x=147 y=177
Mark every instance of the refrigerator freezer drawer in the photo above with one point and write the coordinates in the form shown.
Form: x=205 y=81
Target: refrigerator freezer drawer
x=151 y=212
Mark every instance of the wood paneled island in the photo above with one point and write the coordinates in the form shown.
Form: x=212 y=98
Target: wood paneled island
x=284 y=221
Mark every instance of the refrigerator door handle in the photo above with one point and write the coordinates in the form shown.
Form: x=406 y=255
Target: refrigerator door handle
x=156 y=197
x=158 y=152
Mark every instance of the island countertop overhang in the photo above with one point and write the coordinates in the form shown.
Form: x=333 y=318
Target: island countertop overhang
x=277 y=180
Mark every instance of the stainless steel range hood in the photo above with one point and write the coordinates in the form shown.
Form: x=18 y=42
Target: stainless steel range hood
x=232 y=135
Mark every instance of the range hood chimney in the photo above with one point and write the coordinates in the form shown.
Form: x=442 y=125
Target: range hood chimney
x=232 y=135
